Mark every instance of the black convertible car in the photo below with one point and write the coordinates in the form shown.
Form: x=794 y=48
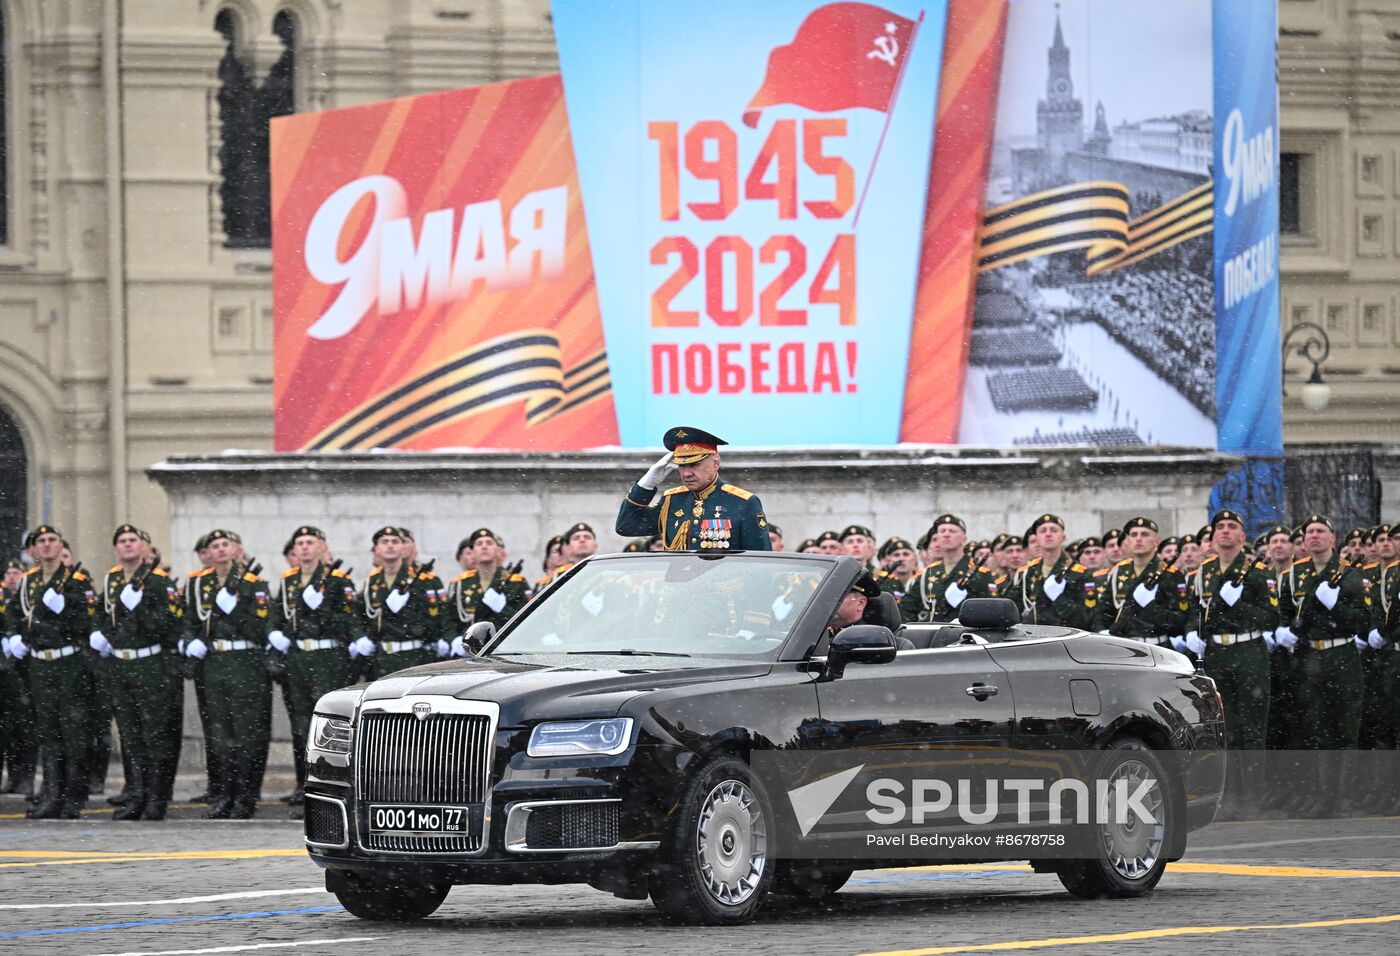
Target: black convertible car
x=611 y=734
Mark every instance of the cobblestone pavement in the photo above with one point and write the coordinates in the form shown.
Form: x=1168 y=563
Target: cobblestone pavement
x=93 y=886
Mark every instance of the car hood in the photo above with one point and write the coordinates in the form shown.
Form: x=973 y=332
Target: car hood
x=553 y=690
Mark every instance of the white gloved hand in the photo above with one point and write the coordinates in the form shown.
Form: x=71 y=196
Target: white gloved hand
x=1144 y=595
x=459 y=647
x=1194 y=644
x=1359 y=641
x=494 y=599
x=782 y=607
x=1327 y=594
x=312 y=597
x=1375 y=639
x=99 y=643
x=130 y=597
x=1285 y=638
x=1053 y=587
x=1106 y=633
x=180 y=647
x=955 y=593
x=18 y=649
x=364 y=645
x=592 y=603
x=1178 y=643
x=7 y=642
x=657 y=473
x=1230 y=592
x=227 y=600
x=396 y=600
x=196 y=649
x=280 y=641
x=1269 y=640
x=54 y=601
x=443 y=648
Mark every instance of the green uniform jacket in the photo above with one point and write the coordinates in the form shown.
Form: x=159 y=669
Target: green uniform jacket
x=1167 y=608
x=336 y=618
x=155 y=619
x=467 y=600
x=417 y=619
x=244 y=620
x=41 y=628
x=1389 y=591
x=723 y=517
x=1354 y=614
x=1072 y=607
x=926 y=599
x=1256 y=609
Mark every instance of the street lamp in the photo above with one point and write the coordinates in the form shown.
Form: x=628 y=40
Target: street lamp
x=1315 y=347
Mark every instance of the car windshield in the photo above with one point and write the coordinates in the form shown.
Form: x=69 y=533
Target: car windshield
x=670 y=605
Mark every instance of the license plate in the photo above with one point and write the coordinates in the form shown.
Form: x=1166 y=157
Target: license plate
x=400 y=818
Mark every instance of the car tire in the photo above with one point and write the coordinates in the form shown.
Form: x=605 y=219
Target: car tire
x=808 y=879
x=1132 y=857
x=717 y=866
x=387 y=901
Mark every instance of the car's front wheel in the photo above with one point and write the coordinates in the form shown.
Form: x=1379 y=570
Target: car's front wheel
x=386 y=900
x=1132 y=850
x=717 y=865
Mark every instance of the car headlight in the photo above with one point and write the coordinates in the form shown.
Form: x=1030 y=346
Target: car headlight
x=329 y=734
x=564 y=738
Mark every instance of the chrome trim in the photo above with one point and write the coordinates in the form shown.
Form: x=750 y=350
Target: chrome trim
x=518 y=818
x=344 y=822
x=441 y=704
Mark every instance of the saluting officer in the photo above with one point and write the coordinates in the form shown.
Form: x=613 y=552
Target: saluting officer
x=1325 y=607
x=952 y=577
x=1238 y=605
x=1142 y=596
x=1051 y=589
x=702 y=513
x=139 y=632
x=488 y=592
x=400 y=605
x=49 y=621
x=314 y=619
x=227 y=631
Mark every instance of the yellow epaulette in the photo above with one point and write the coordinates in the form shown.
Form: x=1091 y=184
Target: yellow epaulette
x=1373 y=564
x=80 y=576
x=1395 y=563
x=1213 y=557
x=1078 y=568
x=983 y=570
x=250 y=577
x=517 y=577
x=736 y=491
x=1260 y=566
x=375 y=571
x=1173 y=569
x=427 y=576
x=1000 y=579
x=1105 y=572
x=337 y=573
x=159 y=572
x=33 y=570
x=469 y=573
x=291 y=572
x=1028 y=565
x=676 y=490
x=197 y=573
x=1301 y=561
x=114 y=569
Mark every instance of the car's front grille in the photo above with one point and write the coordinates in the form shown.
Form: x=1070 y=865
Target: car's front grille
x=442 y=760
x=572 y=826
x=325 y=821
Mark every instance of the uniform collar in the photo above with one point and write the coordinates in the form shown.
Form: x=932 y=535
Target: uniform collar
x=705 y=493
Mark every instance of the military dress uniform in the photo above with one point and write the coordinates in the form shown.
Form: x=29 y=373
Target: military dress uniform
x=312 y=623
x=472 y=600
x=1065 y=594
x=141 y=624
x=401 y=616
x=52 y=617
x=193 y=669
x=722 y=517
x=229 y=622
x=928 y=597
x=17 y=750
x=1151 y=607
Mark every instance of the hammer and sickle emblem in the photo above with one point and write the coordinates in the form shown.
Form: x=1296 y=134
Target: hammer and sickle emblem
x=886 y=48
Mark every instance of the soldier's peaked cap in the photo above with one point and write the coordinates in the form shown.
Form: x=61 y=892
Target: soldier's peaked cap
x=867 y=585
x=688 y=445
x=125 y=529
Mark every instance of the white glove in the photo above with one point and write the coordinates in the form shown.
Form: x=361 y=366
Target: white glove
x=443 y=648
x=1230 y=592
x=196 y=649
x=8 y=642
x=280 y=641
x=396 y=600
x=99 y=643
x=459 y=647
x=782 y=607
x=1359 y=641
x=130 y=597
x=1269 y=640
x=657 y=473
x=1194 y=644
x=54 y=601
x=1106 y=633
x=592 y=603
x=1375 y=639
x=1178 y=643
x=180 y=647
x=494 y=599
x=1327 y=594
x=955 y=594
x=1144 y=595
x=364 y=645
x=226 y=599
x=1053 y=588
x=312 y=597
x=18 y=649
x=1285 y=638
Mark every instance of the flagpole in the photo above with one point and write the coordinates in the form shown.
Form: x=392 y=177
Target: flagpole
x=889 y=115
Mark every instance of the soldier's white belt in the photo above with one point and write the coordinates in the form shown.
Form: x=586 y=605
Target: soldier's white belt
x=324 y=644
x=232 y=646
x=128 y=654
x=1227 y=639
x=1327 y=645
x=1153 y=640
x=55 y=654
x=394 y=647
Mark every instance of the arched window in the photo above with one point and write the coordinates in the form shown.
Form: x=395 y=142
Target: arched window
x=14 y=465
x=238 y=154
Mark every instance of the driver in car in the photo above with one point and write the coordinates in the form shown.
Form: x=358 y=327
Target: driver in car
x=851 y=610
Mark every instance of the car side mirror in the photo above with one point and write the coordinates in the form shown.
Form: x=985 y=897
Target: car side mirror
x=859 y=644
x=989 y=614
x=478 y=636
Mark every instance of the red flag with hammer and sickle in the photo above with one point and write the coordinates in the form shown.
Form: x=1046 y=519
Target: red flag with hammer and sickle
x=844 y=55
